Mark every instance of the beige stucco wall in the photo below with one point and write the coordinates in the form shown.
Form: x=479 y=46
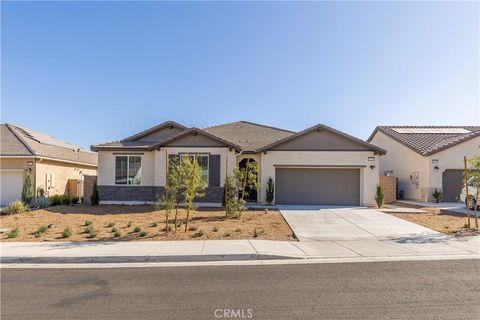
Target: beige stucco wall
x=403 y=162
x=106 y=166
x=61 y=171
x=451 y=158
x=368 y=177
x=227 y=155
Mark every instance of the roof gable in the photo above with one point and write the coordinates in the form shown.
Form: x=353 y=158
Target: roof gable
x=322 y=138
x=195 y=137
x=11 y=144
x=248 y=135
x=425 y=140
x=159 y=132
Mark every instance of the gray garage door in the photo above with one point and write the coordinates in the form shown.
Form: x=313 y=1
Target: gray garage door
x=317 y=186
x=452 y=181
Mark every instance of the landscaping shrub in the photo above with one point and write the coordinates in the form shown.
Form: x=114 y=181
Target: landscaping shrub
x=88 y=223
x=13 y=234
x=226 y=234
x=67 y=232
x=179 y=223
x=137 y=229
x=74 y=200
x=270 y=190
x=59 y=199
x=41 y=202
x=437 y=195
x=167 y=229
x=16 y=206
x=40 y=231
x=115 y=229
x=129 y=224
x=27 y=190
x=110 y=224
x=215 y=229
x=117 y=234
x=154 y=224
x=91 y=232
x=199 y=233
x=142 y=234
x=379 y=196
x=94 y=198
x=193 y=228
x=258 y=232
x=233 y=206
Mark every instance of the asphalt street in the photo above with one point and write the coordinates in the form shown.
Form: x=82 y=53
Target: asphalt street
x=379 y=290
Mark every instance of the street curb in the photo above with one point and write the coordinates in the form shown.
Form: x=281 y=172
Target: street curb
x=144 y=259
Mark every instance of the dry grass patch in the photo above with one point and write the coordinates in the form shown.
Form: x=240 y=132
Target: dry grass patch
x=115 y=222
x=439 y=220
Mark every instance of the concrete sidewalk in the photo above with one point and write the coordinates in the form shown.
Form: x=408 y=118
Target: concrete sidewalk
x=457 y=207
x=236 y=250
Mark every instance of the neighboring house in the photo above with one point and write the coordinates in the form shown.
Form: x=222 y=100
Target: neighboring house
x=319 y=165
x=425 y=158
x=50 y=161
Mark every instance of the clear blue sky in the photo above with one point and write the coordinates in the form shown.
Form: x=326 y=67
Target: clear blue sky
x=90 y=72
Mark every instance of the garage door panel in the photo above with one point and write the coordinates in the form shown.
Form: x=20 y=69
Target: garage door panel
x=452 y=181
x=11 y=183
x=317 y=186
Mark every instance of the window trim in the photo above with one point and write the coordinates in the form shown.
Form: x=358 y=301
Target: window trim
x=128 y=169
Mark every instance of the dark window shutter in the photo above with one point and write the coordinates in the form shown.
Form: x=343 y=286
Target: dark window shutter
x=214 y=170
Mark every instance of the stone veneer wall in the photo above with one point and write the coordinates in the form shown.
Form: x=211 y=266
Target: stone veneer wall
x=148 y=193
x=389 y=185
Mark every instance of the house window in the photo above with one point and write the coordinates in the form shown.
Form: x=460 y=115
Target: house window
x=128 y=170
x=202 y=161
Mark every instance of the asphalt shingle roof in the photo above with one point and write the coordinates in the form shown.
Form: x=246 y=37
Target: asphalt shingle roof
x=18 y=141
x=428 y=143
x=248 y=135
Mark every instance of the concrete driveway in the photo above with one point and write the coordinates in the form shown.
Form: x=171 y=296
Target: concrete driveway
x=314 y=223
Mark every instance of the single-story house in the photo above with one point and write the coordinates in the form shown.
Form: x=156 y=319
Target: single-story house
x=425 y=158
x=51 y=162
x=319 y=165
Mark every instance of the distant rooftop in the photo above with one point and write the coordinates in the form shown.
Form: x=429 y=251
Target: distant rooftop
x=18 y=141
x=427 y=140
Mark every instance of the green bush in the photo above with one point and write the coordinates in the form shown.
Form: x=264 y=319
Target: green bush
x=142 y=234
x=40 y=231
x=87 y=223
x=115 y=229
x=13 y=234
x=41 y=202
x=258 y=232
x=129 y=224
x=27 y=191
x=95 y=198
x=59 y=199
x=137 y=229
x=437 y=195
x=215 y=229
x=16 y=206
x=74 y=200
x=379 y=196
x=67 y=232
x=270 y=190
x=199 y=233
x=179 y=223
x=193 y=228
x=110 y=224
x=91 y=232
x=154 y=224
x=117 y=234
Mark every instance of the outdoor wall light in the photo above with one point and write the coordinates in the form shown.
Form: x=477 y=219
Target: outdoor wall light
x=371 y=158
x=372 y=167
x=436 y=168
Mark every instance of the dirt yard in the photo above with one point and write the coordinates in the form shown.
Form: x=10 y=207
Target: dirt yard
x=252 y=224
x=436 y=219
